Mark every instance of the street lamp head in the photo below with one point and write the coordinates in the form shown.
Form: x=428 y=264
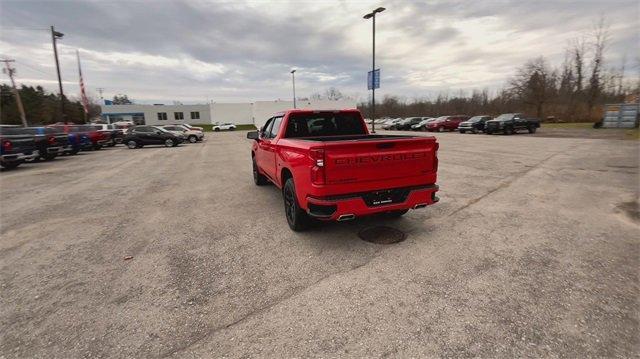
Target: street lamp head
x=294 y=70
x=368 y=16
x=380 y=9
x=58 y=35
x=373 y=13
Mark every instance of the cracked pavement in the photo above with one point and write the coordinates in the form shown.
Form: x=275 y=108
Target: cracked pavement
x=532 y=251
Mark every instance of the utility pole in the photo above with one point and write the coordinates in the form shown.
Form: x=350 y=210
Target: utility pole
x=10 y=71
x=293 y=78
x=100 y=90
x=54 y=36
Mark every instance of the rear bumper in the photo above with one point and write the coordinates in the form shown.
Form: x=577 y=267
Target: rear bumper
x=333 y=207
x=20 y=156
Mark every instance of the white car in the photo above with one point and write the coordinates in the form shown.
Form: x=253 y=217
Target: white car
x=192 y=136
x=178 y=133
x=224 y=126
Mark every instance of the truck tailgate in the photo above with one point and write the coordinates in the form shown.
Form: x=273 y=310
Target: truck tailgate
x=381 y=159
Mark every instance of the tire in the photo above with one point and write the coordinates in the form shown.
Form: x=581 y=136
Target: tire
x=10 y=165
x=508 y=130
x=396 y=214
x=423 y=129
x=132 y=145
x=97 y=147
x=217 y=129
x=474 y=131
x=169 y=143
x=532 y=129
x=111 y=143
x=193 y=139
x=488 y=132
x=297 y=219
x=258 y=178
x=48 y=156
x=462 y=131
x=74 y=151
x=440 y=129
x=232 y=128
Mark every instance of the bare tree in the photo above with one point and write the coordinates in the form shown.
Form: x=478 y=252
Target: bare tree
x=600 y=38
x=534 y=84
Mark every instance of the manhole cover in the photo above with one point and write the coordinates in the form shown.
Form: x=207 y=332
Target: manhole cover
x=382 y=235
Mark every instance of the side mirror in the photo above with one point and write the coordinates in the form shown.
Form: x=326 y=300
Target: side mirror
x=253 y=135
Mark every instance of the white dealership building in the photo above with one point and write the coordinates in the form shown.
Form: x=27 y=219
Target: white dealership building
x=255 y=113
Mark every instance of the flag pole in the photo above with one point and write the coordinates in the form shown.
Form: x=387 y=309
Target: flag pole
x=83 y=95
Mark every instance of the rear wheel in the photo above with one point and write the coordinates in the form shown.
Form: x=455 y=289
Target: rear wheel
x=462 y=131
x=169 y=142
x=217 y=129
x=10 y=165
x=49 y=156
x=258 y=178
x=297 y=218
x=131 y=144
x=193 y=139
x=532 y=129
x=508 y=130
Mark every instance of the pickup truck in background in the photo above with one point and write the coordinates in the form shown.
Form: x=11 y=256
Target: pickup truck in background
x=16 y=147
x=510 y=123
x=50 y=141
x=329 y=167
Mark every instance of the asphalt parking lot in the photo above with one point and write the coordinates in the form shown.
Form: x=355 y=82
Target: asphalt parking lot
x=533 y=251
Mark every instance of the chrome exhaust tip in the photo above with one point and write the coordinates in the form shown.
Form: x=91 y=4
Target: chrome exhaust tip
x=419 y=205
x=346 y=217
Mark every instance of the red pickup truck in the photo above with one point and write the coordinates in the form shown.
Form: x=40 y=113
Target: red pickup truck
x=329 y=167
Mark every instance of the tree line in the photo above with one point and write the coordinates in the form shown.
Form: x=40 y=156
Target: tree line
x=574 y=91
x=41 y=107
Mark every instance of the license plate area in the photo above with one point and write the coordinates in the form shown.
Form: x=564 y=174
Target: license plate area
x=385 y=197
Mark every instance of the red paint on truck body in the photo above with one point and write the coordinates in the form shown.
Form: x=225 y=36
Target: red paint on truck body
x=350 y=173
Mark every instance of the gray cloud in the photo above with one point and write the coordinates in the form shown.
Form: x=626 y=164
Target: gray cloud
x=192 y=50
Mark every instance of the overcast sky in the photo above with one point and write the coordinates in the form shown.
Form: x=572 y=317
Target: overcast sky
x=194 y=51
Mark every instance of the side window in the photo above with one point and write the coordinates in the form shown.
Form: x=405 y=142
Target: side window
x=162 y=116
x=264 y=130
x=178 y=115
x=273 y=132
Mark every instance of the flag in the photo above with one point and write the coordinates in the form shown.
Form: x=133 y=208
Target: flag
x=83 y=94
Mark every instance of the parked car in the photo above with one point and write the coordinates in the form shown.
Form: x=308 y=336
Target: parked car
x=475 y=124
x=78 y=137
x=224 y=126
x=380 y=121
x=391 y=124
x=192 y=136
x=446 y=123
x=420 y=126
x=407 y=123
x=330 y=168
x=16 y=147
x=50 y=141
x=139 y=136
x=112 y=134
x=510 y=123
x=195 y=128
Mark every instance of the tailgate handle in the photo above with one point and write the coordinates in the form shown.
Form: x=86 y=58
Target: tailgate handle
x=386 y=145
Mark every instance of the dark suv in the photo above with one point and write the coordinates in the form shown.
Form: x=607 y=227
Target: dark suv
x=139 y=136
x=475 y=124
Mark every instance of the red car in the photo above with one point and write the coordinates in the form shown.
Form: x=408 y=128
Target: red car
x=329 y=167
x=446 y=123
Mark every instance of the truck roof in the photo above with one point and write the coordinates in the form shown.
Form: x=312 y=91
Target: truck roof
x=306 y=110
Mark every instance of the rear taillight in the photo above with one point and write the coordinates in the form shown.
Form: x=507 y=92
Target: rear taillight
x=317 y=168
x=51 y=140
x=7 y=145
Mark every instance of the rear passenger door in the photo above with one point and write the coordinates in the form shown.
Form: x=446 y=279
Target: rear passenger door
x=270 y=153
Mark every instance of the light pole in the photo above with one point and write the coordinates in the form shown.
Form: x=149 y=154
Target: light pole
x=372 y=15
x=293 y=79
x=54 y=36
